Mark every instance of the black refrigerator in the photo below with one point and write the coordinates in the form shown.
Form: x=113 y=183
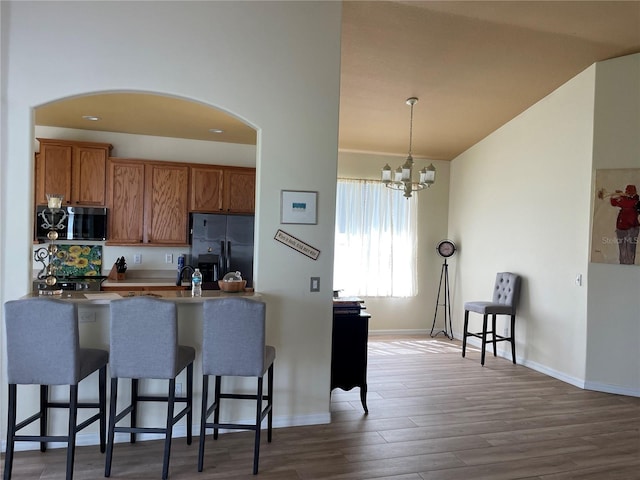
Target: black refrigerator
x=221 y=244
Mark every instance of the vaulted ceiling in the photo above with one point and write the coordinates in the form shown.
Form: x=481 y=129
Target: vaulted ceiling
x=473 y=65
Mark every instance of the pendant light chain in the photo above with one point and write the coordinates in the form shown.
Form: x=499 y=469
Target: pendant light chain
x=411 y=129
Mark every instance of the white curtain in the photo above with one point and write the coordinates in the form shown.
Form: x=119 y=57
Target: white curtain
x=375 y=250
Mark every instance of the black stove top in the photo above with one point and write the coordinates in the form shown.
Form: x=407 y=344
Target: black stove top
x=90 y=283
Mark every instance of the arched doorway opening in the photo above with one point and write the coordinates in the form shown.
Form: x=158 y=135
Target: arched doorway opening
x=149 y=126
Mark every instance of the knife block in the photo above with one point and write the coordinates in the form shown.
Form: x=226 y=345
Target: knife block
x=115 y=275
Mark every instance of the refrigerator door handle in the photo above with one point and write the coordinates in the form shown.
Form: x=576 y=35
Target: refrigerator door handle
x=228 y=259
x=223 y=261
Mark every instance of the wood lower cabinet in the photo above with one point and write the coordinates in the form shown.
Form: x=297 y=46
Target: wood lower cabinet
x=147 y=202
x=75 y=169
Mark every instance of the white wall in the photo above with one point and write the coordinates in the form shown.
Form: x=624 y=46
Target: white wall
x=273 y=64
x=413 y=314
x=613 y=308
x=521 y=201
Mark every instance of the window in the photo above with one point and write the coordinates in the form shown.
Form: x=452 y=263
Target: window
x=375 y=248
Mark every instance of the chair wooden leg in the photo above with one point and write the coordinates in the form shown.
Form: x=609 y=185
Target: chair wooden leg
x=134 y=411
x=363 y=397
x=112 y=426
x=216 y=412
x=71 y=438
x=512 y=334
x=464 y=332
x=190 y=403
x=494 y=332
x=11 y=430
x=102 y=401
x=484 y=338
x=256 y=447
x=44 y=414
x=169 y=429
x=203 y=421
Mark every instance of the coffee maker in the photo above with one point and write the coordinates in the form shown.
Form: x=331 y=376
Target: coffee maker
x=210 y=268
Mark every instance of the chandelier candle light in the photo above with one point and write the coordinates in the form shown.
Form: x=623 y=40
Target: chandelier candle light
x=403 y=175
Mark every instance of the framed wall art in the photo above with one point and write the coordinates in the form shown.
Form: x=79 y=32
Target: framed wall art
x=616 y=217
x=299 y=207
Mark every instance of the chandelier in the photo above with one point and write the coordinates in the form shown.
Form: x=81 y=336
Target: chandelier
x=403 y=175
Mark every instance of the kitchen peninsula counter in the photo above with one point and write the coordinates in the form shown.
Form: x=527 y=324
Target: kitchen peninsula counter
x=94 y=325
x=179 y=296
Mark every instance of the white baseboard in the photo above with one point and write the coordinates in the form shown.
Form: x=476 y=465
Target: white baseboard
x=179 y=431
x=617 y=389
x=374 y=333
x=576 y=382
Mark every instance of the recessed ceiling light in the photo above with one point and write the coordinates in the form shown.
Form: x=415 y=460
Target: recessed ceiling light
x=216 y=130
x=91 y=118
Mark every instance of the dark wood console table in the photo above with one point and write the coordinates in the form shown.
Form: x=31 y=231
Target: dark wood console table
x=349 y=347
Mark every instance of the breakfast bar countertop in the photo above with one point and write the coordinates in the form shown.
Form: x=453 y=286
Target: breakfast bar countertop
x=143 y=281
x=104 y=298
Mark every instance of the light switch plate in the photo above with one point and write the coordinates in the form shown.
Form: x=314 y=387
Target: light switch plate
x=137 y=259
x=315 y=284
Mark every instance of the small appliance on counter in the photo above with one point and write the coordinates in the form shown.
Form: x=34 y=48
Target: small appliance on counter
x=209 y=266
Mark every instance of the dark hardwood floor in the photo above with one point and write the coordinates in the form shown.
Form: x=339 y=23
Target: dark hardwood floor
x=432 y=416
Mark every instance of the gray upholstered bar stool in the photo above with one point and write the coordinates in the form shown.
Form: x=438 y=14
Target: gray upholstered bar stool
x=144 y=345
x=233 y=344
x=506 y=292
x=43 y=348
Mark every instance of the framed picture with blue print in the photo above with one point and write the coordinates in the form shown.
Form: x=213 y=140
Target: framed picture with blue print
x=299 y=207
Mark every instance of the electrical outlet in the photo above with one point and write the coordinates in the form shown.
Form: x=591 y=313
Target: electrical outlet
x=178 y=389
x=168 y=258
x=85 y=317
x=137 y=259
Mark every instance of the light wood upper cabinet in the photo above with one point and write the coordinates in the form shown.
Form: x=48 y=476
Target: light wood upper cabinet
x=125 y=200
x=216 y=188
x=206 y=188
x=148 y=202
x=239 y=187
x=88 y=179
x=166 y=203
x=75 y=169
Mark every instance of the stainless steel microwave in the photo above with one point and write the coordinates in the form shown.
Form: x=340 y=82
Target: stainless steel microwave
x=72 y=223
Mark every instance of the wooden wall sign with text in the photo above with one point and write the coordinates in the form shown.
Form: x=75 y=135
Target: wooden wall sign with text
x=297 y=244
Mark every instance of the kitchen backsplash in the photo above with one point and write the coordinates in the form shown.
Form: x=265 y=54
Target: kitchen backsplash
x=152 y=258
x=79 y=260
